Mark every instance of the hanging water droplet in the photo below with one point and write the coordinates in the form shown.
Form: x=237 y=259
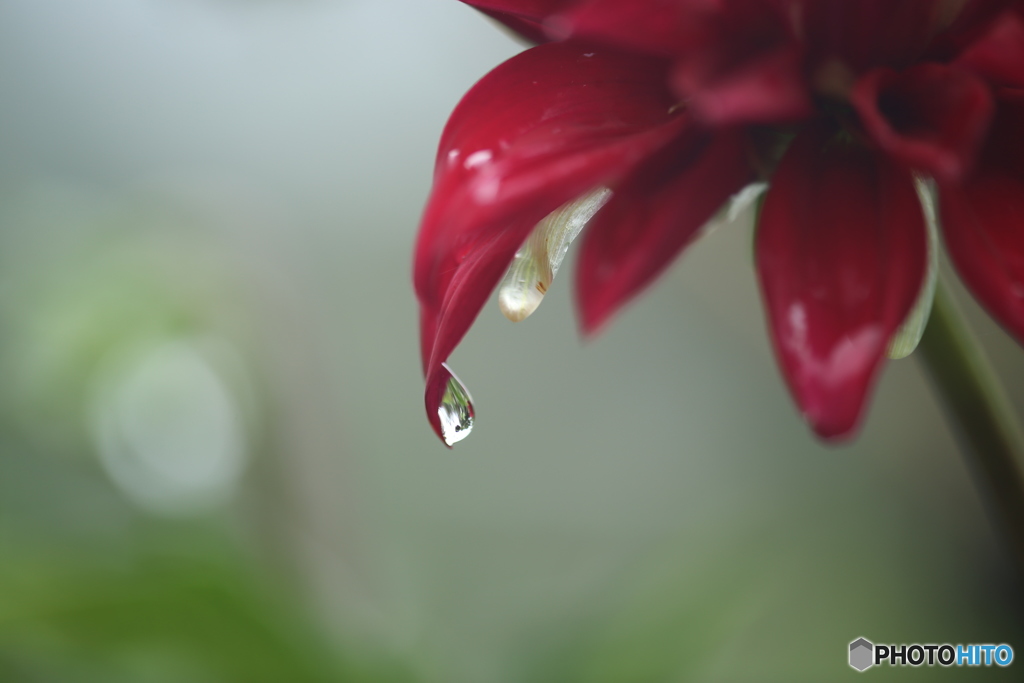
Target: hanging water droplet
x=455 y=411
x=538 y=260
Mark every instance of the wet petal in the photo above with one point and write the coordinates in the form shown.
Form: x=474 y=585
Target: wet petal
x=653 y=216
x=931 y=117
x=542 y=129
x=841 y=254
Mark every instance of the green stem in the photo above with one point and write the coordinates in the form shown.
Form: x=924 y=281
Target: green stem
x=981 y=415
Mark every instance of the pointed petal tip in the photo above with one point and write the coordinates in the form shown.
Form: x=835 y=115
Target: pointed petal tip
x=833 y=431
x=587 y=333
x=591 y=320
x=833 y=397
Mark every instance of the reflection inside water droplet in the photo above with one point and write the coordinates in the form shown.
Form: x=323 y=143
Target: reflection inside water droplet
x=455 y=411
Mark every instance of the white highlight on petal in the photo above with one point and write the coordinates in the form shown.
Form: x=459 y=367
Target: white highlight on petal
x=910 y=332
x=478 y=158
x=538 y=260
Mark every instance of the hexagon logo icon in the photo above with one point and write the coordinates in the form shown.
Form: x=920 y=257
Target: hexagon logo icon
x=861 y=654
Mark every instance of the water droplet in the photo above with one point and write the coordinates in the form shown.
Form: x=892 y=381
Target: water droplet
x=537 y=262
x=455 y=411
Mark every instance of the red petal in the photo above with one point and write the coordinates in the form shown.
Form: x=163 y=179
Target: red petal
x=841 y=253
x=745 y=66
x=983 y=222
x=653 y=216
x=662 y=27
x=931 y=117
x=540 y=130
x=467 y=292
x=999 y=54
x=971 y=21
x=862 y=34
x=735 y=60
x=525 y=17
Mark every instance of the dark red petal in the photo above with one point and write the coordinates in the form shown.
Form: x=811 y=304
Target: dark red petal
x=969 y=22
x=931 y=117
x=983 y=221
x=540 y=130
x=662 y=27
x=745 y=66
x=653 y=216
x=841 y=254
x=735 y=60
x=983 y=224
x=862 y=34
x=525 y=17
x=999 y=54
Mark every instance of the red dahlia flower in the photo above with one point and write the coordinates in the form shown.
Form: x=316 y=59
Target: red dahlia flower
x=641 y=118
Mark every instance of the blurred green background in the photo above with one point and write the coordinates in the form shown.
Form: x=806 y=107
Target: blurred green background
x=214 y=465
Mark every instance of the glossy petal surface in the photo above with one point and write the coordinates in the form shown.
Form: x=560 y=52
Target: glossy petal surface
x=653 y=216
x=540 y=130
x=841 y=254
x=931 y=117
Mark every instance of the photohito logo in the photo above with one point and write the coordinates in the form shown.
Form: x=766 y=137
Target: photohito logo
x=864 y=654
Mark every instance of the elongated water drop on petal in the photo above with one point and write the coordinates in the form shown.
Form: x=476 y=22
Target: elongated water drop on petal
x=455 y=411
x=538 y=260
x=908 y=336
